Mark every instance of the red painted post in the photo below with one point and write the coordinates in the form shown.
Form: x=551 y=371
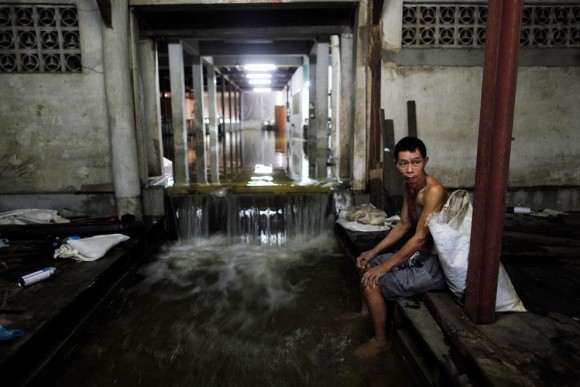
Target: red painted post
x=494 y=145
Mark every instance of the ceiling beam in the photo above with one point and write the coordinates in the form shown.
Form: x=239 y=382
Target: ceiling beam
x=321 y=33
x=280 y=61
x=219 y=48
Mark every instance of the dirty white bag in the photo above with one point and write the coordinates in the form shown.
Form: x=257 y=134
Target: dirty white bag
x=451 y=232
x=89 y=249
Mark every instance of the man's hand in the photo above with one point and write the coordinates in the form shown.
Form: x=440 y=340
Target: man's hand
x=371 y=277
x=364 y=258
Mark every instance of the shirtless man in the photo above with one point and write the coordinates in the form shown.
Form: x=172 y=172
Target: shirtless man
x=415 y=267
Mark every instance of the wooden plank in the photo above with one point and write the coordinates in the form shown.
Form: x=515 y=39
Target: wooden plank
x=425 y=325
x=377 y=194
x=540 y=239
x=544 y=348
x=541 y=251
x=412 y=118
x=489 y=366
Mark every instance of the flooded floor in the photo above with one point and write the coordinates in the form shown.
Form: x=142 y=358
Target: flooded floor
x=218 y=313
x=208 y=314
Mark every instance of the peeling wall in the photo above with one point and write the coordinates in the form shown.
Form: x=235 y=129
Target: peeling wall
x=546 y=132
x=545 y=153
x=55 y=135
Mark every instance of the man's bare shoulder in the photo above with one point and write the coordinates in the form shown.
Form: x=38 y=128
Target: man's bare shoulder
x=434 y=188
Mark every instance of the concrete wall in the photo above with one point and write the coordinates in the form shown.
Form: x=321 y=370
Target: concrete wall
x=546 y=121
x=55 y=135
x=545 y=154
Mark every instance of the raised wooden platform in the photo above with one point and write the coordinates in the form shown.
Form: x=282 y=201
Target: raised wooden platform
x=50 y=311
x=540 y=347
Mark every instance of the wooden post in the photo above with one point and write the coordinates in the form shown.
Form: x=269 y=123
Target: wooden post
x=412 y=118
x=375 y=10
x=493 y=155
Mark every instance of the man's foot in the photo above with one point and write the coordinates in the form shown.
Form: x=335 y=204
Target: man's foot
x=372 y=348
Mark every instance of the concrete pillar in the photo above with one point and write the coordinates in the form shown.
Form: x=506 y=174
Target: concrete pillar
x=346 y=125
x=236 y=127
x=199 y=120
x=223 y=122
x=335 y=104
x=140 y=133
x=178 y=113
x=361 y=106
x=152 y=110
x=120 y=111
x=240 y=129
x=321 y=109
x=230 y=127
x=312 y=113
x=213 y=123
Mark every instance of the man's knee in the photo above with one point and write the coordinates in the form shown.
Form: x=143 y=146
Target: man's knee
x=373 y=291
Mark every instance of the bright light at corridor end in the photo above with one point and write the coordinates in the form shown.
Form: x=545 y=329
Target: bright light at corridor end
x=261 y=89
x=259 y=81
x=259 y=67
x=263 y=169
x=259 y=76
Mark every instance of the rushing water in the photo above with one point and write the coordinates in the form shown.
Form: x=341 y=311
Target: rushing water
x=271 y=220
x=255 y=292
x=211 y=313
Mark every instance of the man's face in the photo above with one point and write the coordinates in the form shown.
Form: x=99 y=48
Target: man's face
x=411 y=165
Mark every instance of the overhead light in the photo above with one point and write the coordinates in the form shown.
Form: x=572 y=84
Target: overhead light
x=258 y=75
x=262 y=89
x=259 y=81
x=259 y=67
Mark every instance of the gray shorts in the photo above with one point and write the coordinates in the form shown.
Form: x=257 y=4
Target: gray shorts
x=419 y=274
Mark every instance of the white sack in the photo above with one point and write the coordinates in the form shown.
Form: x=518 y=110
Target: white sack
x=451 y=231
x=89 y=249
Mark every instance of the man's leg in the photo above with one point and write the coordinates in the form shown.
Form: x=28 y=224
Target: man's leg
x=378 y=310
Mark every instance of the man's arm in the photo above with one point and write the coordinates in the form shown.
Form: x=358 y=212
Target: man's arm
x=434 y=200
x=396 y=233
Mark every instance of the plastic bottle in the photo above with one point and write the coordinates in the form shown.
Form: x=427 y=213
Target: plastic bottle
x=37 y=276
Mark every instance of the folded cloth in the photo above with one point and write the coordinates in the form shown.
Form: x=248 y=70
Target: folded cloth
x=89 y=249
x=31 y=216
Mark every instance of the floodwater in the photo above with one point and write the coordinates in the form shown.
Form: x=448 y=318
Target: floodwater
x=275 y=310
x=213 y=314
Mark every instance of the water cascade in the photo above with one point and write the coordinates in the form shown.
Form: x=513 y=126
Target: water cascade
x=263 y=219
x=254 y=293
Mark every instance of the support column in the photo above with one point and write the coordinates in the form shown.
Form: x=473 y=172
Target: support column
x=493 y=156
x=335 y=104
x=213 y=119
x=139 y=108
x=321 y=109
x=312 y=113
x=151 y=106
x=241 y=129
x=224 y=131
x=361 y=106
x=236 y=126
x=121 y=117
x=199 y=120
x=346 y=126
x=178 y=124
x=230 y=127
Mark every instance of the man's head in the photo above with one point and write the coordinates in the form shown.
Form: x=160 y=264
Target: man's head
x=411 y=158
x=410 y=144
